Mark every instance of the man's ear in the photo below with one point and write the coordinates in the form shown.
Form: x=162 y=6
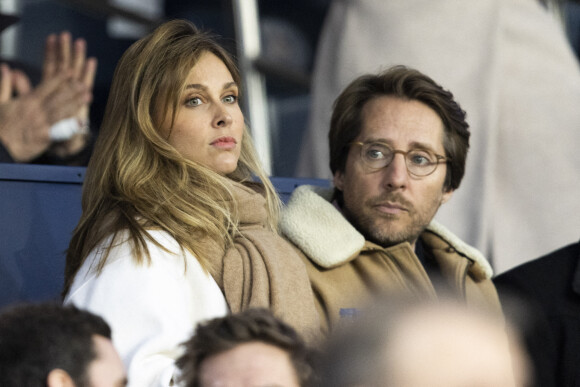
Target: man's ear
x=59 y=378
x=338 y=180
x=447 y=195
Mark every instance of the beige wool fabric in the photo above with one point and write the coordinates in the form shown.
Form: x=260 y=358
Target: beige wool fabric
x=262 y=269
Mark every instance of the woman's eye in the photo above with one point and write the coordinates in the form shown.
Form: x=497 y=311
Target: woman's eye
x=195 y=101
x=230 y=99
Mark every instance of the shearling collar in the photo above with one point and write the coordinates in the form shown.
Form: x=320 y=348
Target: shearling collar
x=313 y=224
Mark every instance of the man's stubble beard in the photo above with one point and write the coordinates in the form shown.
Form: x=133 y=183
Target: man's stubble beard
x=383 y=229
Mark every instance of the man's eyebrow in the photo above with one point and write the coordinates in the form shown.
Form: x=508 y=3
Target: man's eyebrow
x=421 y=145
x=412 y=145
x=199 y=86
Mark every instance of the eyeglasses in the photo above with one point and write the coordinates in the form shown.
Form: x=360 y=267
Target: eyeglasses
x=419 y=162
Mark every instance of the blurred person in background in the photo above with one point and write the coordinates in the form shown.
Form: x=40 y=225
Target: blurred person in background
x=50 y=345
x=48 y=123
x=399 y=341
x=550 y=286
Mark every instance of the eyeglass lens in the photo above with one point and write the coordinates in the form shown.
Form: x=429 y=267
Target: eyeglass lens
x=419 y=162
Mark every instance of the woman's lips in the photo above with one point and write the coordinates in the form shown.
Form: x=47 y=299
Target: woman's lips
x=225 y=143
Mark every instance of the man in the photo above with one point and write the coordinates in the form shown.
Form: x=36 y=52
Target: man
x=250 y=348
x=550 y=285
x=415 y=343
x=51 y=345
x=517 y=84
x=398 y=144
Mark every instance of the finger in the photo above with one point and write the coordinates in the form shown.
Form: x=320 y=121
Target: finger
x=83 y=114
x=5 y=83
x=79 y=57
x=90 y=71
x=49 y=86
x=22 y=84
x=50 y=63
x=65 y=51
x=66 y=101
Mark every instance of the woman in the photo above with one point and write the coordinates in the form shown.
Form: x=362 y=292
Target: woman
x=169 y=199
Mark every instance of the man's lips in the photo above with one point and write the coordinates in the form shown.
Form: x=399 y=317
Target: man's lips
x=225 y=143
x=390 y=208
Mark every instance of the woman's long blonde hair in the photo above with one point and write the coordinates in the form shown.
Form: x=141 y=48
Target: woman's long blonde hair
x=136 y=180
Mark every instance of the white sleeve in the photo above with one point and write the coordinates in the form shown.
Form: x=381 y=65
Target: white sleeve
x=151 y=309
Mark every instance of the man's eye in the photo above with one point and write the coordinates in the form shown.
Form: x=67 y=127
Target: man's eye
x=195 y=101
x=375 y=154
x=230 y=99
x=420 y=158
x=377 y=151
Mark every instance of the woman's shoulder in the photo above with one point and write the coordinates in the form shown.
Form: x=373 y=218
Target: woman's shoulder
x=159 y=243
x=165 y=259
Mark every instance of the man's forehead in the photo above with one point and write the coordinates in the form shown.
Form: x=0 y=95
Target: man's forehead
x=407 y=122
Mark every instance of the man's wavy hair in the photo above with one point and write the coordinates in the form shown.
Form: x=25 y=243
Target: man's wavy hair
x=136 y=180
x=251 y=325
x=407 y=84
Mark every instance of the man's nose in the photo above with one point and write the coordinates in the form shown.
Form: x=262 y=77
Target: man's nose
x=395 y=175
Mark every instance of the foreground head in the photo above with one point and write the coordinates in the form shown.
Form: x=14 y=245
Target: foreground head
x=417 y=343
x=398 y=144
x=251 y=348
x=52 y=345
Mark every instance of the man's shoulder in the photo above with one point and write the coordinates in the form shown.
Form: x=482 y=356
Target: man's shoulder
x=438 y=237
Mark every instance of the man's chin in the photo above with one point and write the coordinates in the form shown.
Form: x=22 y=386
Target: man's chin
x=386 y=231
x=390 y=235
x=389 y=242
x=387 y=238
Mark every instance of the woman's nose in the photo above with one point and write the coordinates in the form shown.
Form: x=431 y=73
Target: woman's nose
x=222 y=117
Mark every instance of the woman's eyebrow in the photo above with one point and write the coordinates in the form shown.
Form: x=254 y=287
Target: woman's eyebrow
x=199 y=86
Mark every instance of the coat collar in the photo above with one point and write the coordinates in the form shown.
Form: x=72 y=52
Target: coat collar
x=313 y=224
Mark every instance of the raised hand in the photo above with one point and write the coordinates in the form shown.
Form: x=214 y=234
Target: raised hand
x=62 y=56
x=26 y=114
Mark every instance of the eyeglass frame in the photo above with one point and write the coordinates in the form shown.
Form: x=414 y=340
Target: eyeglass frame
x=440 y=159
